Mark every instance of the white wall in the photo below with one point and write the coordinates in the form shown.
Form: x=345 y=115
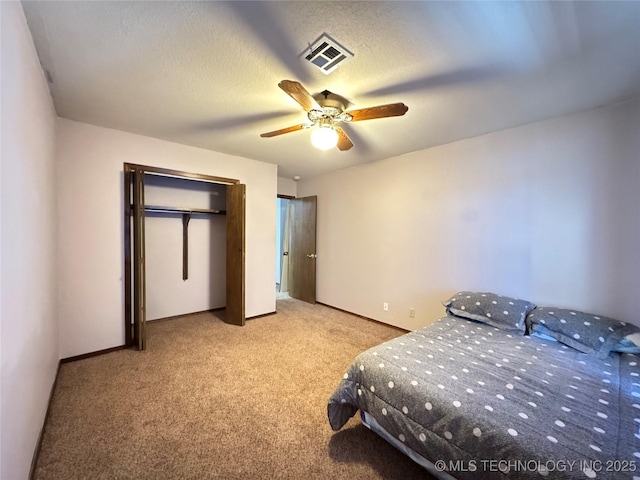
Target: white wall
x=286 y=186
x=547 y=212
x=29 y=323
x=90 y=222
x=205 y=288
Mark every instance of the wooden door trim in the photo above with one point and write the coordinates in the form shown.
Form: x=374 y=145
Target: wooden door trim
x=181 y=174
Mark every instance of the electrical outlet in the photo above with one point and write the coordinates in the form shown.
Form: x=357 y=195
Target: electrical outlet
x=412 y=312
x=385 y=306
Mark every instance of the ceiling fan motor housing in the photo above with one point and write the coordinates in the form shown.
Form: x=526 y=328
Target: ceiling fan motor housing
x=333 y=108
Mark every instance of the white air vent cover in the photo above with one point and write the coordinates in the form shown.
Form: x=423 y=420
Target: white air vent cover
x=327 y=54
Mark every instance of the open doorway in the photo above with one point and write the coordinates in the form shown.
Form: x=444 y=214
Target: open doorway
x=282 y=243
x=296 y=248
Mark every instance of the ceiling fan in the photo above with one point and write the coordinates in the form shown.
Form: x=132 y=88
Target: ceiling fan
x=327 y=110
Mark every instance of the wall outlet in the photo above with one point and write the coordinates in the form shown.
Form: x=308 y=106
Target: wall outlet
x=412 y=313
x=385 y=306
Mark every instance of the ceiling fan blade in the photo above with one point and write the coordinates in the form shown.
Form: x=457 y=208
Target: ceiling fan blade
x=295 y=128
x=296 y=91
x=344 y=142
x=381 y=111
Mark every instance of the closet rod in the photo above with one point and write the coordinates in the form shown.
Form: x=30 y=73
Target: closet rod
x=159 y=209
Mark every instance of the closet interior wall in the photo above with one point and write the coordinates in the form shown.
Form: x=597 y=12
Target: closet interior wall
x=167 y=293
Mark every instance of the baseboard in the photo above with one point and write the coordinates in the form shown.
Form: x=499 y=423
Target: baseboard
x=261 y=315
x=36 y=452
x=92 y=354
x=404 y=330
x=175 y=317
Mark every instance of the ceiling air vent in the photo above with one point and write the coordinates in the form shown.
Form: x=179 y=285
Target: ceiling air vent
x=327 y=54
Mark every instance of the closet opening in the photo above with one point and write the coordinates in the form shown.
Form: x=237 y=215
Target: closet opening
x=184 y=239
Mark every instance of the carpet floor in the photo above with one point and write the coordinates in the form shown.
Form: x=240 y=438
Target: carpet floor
x=211 y=400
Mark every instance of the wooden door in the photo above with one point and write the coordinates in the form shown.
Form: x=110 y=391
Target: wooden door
x=302 y=249
x=235 y=313
x=139 y=285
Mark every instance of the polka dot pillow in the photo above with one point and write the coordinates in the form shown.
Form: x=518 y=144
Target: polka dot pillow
x=585 y=332
x=502 y=312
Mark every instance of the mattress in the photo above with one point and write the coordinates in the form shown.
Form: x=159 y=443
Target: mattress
x=479 y=402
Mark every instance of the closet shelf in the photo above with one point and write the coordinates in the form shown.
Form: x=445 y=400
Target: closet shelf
x=161 y=209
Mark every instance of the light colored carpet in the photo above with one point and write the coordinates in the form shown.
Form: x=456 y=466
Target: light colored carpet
x=211 y=400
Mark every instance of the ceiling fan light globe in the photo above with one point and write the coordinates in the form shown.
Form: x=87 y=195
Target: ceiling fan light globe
x=324 y=138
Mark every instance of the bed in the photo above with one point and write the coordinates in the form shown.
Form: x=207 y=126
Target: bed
x=469 y=399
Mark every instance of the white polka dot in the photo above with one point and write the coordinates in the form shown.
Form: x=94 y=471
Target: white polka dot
x=596 y=448
x=576 y=336
x=440 y=386
x=532 y=404
x=489 y=408
x=599 y=430
x=391 y=384
x=604 y=402
x=552 y=439
x=562 y=320
x=405 y=410
x=501 y=397
x=572 y=313
x=636 y=454
x=494 y=302
x=587 y=323
x=359 y=392
x=602 y=415
x=448 y=435
x=423 y=437
x=469 y=390
x=477 y=432
x=589 y=472
x=559 y=423
x=512 y=432
x=566 y=409
x=509 y=386
x=384 y=411
x=524 y=415
x=402 y=437
x=540 y=394
x=481 y=383
x=601 y=339
x=373 y=389
x=362 y=368
x=345 y=376
x=477 y=303
x=428 y=406
x=505 y=312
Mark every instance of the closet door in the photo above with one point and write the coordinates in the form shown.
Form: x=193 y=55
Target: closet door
x=235 y=313
x=139 y=288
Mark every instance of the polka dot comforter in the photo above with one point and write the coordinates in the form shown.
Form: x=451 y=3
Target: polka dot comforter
x=480 y=402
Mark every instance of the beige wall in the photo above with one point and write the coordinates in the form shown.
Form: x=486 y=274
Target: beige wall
x=28 y=293
x=90 y=224
x=547 y=212
x=286 y=186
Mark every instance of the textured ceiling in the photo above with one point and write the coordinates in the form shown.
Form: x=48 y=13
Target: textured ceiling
x=206 y=73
